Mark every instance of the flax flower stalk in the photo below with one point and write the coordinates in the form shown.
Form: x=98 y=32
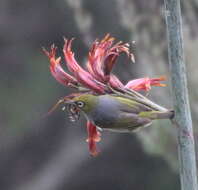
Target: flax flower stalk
x=186 y=150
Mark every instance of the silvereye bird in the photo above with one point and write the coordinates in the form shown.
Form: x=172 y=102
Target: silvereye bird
x=117 y=113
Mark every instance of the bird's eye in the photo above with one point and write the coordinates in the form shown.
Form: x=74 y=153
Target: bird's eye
x=80 y=104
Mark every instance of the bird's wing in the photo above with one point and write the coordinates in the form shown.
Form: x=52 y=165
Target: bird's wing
x=131 y=106
x=132 y=121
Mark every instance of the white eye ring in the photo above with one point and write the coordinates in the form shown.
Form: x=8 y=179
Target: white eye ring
x=80 y=104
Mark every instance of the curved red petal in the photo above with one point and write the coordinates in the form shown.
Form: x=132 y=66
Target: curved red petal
x=156 y=81
x=88 y=81
x=103 y=56
x=138 y=84
x=82 y=76
x=94 y=65
x=93 y=137
x=56 y=70
x=115 y=82
x=72 y=64
x=144 y=83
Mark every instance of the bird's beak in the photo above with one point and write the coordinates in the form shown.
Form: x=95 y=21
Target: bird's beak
x=68 y=101
x=61 y=101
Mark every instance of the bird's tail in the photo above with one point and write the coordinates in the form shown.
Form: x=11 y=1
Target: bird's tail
x=158 y=115
x=166 y=115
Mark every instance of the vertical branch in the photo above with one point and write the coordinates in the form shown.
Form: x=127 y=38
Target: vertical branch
x=183 y=119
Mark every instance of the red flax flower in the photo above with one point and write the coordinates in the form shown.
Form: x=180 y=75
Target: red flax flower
x=96 y=77
x=93 y=137
x=144 y=83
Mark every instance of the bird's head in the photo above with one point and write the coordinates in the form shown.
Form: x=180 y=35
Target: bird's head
x=75 y=103
x=85 y=102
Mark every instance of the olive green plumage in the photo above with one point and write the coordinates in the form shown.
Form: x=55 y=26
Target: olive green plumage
x=118 y=113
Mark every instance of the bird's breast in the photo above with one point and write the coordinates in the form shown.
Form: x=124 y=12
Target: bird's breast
x=105 y=114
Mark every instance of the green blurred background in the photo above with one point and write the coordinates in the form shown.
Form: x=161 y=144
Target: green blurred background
x=50 y=153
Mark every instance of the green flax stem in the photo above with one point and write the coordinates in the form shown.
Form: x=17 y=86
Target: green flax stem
x=186 y=150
